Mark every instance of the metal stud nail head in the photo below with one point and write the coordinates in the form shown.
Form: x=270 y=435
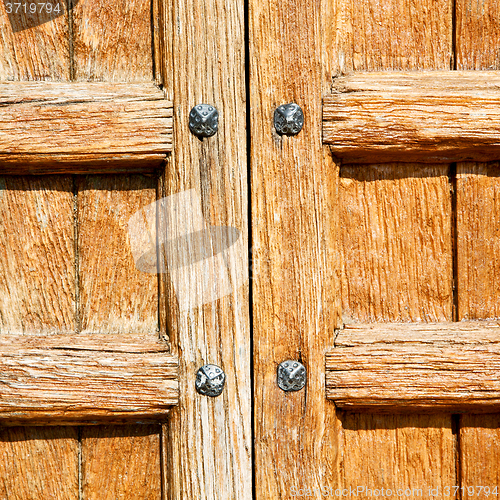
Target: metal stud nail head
x=288 y=119
x=291 y=376
x=204 y=120
x=210 y=380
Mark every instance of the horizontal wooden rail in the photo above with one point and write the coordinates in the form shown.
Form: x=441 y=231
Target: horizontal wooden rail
x=430 y=116
x=85 y=378
x=416 y=367
x=82 y=127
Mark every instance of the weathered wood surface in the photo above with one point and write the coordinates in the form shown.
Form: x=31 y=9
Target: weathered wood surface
x=117 y=121
x=112 y=41
x=39 y=462
x=386 y=450
x=424 y=116
x=397 y=452
x=478 y=242
x=385 y=35
x=76 y=377
x=295 y=257
x=416 y=367
x=130 y=457
x=397 y=243
x=208 y=441
x=34 y=47
x=115 y=296
x=478 y=188
x=37 y=269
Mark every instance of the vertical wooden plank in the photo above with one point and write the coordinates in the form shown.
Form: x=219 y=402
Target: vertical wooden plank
x=478 y=213
x=39 y=462
x=477 y=32
x=208 y=440
x=121 y=462
x=112 y=41
x=397 y=245
x=34 y=46
x=296 y=267
x=37 y=274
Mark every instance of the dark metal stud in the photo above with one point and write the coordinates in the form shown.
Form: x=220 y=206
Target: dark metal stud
x=291 y=376
x=288 y=119
x=204 y=120
x=210 y=380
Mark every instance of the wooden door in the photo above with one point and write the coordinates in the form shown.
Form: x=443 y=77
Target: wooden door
x=355 y=242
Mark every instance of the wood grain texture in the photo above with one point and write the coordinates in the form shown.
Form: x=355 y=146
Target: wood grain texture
x=478 y=240
x=295 y=257
x=391 y=35
x=209 y=440
x=34 y=47
x=477 y=31
x=37 y=269
x=395 y=35
x=130 y=455
x=112 y=41
x=85 y=378
x=39 y=462
x=69 y=119
x=479 y=445
x=115 y=297
x=397 y=452
x=477 y=185
x=397 y=243
x=426 y=116
x=415 y=367
x=37 y=275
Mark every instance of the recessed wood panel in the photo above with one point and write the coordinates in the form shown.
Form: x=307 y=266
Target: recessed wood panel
x=397 y=243
x=121 y=462
x=372 y=35
x=112 y=41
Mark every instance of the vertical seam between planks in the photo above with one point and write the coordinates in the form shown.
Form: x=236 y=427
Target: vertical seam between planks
x=246 y=21
x=78 y=319
x=454 y=240
x=80 y=469
x=69 y=5
x=153 y=34
x=453 y=62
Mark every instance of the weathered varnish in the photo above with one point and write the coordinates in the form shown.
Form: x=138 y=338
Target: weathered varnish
x=423 y=116
x=46 y=126
x=415 y=367
x=85 y=378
